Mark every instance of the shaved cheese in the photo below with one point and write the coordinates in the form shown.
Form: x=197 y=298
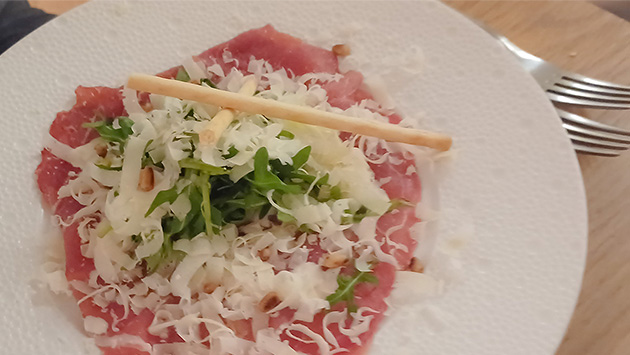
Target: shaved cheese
x=123 y=341
x=158 y=283
x=95 y=325
x=267 y=340
x=102 y=261
x=194 y=69
x=179 y=349
x=150 y=245
x=360 y=324
x=132 y=106
x=181 y=207
x=76 y=156
x=366 y=229
x=324 y=349
x=183 y=273
x=56 y=281
x=330 y=318
x=216 y=69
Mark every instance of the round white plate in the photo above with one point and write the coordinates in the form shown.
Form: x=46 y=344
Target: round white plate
x=514 y=186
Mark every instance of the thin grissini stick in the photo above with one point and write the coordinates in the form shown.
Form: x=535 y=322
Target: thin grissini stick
x=275 y=109
x=217 y=125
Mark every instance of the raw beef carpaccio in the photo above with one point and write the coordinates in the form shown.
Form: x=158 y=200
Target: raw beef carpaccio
x=330 y=330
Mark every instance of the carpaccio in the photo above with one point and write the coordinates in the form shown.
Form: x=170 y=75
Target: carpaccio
x=281 y=51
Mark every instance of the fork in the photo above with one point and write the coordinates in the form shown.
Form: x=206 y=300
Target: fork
x=590 y=137
x=587 y=136
x=568 y=87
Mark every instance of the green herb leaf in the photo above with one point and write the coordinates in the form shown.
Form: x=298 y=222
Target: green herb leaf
x=230 y=153
x=182 y=75
x=285 y=217
x=265 y=179
x=356 y=216
x=398 y=202
x=163 y=196
x=345 y=291
x=107 y=167
x=264 y=210
x=195 y=222
x=208 y=82
x=190 y=114
x=190 y=163
x=335 y=193
x=216 y=216
x=147 y=160
x=327 y=193
x=165 y=259
x=285 y=134
x=206 y=211
x=109 y=133
x=300 y=158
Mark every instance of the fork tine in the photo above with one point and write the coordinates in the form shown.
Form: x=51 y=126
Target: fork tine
x=557 y=97
x=585 y=79
x=586 y=149
x=570 y=84
x=583 y=121
x=611 y=138
x=590 y=96
x=597 y=142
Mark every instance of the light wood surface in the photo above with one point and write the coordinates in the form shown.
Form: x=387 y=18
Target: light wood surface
x=55 y=7
x=581 y=37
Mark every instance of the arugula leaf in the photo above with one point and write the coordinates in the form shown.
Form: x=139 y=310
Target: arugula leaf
x=163 y=196
x=288 y=172
x=190 y=163
x=345 y=291
x=335 y=193
x=216 y=216
x=327 y=193
x=107 y=167
x=361 y=213
x=206 y=211
x=109 y=133
x=147 y=160
x=230 y=153
x=356 y=216
x=164 y=259
x=285 y=134
x=193 y=223
x=190 y=114
x=264 y=210
x=208 y=82
x=182 y=75
x=285 y=217
x=265 y=179
x=300 y=158
x=398 y=202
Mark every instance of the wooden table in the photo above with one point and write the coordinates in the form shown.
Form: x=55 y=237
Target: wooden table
x=581 y=37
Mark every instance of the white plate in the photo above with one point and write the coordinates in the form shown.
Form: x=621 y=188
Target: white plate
x=515 y=179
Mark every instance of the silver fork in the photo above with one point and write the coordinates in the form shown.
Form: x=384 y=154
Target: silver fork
x=568 y=87
x=587 y=136
x=590 y=137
